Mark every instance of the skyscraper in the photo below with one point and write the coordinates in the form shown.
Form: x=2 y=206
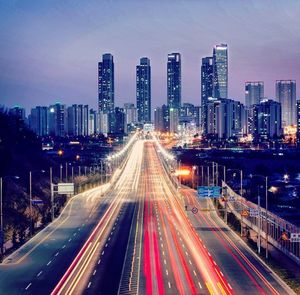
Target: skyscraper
x=174 y=80
x=220 y=71
x=298 y=120
x=106 y=84
x=78 y=117
x=254 y=93
x=58 y=120
x=286 y=95
x=143 y=90
x=267 y=119
x=225 y=118
x=131 y=113
x=39 y=120
x=206 y=84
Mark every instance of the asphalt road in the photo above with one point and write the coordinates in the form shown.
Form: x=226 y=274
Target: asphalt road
x=138 y=239
x=42 y=262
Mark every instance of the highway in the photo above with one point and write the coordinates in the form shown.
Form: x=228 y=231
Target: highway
x=134 y=236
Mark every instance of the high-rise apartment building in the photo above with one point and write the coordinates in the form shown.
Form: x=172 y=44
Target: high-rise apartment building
x=220 y=71
x=254 y=93
x=39 y=120
x=298 y=120
x=106 y=89
x=78 y=120
x=267 y=119
x=143 y=90
x=131 y=113
x=93 y=122
x=58 y=120
x=225 y=118
x=206 y=83
x=286 y=95
x=174 y=80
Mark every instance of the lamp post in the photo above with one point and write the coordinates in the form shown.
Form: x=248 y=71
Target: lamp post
x=61 y=176
x=213 y=171
x=265 y=178
x=241 y=191
x=31 y=229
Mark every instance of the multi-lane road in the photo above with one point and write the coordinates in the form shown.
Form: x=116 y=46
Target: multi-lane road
x=134 y=236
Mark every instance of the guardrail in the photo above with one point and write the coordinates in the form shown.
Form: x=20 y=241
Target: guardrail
x=272 y=227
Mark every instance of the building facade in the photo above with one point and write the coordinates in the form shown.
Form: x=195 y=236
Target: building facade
x=143 y=90
x=174 y=80
x=254 y=93
x=206 y=83
x=286 y=95
x=106 y=88
x=39 y=120
x=267 y=119
x=220 y=71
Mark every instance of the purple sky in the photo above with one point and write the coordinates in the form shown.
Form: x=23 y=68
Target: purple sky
x=49 y=49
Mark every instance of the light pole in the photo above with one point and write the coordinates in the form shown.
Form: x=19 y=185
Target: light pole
x=241 y=192
x=265 y=178
x=61 y=176
x=31 y=228
x=66 y=171
x=193 y=175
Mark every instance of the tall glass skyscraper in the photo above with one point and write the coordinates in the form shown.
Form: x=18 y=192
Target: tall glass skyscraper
x=143 y=90
x=254 y=93
x=206 y=86
x=174 y=80
x=286 y=95
x=106 y=84
x=220 y=71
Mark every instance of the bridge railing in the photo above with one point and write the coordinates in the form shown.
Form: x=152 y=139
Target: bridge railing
x=277 y=230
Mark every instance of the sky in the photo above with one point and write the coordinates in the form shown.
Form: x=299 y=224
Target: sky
x=49 y=50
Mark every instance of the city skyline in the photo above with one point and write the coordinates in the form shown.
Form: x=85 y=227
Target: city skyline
x=38 y=66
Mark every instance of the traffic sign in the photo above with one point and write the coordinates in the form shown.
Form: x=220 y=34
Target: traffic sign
x=65 y=188
x=209 y=191
x=195 y=210
x=231 y=199
x=245 y=213
x=295 y=237
x=37 y=202
x=254 y=212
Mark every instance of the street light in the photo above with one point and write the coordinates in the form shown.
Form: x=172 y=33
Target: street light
x=194 y=168
x=266 y=197
x=213 y=171
x=241 y=193
x=31 y=228
x=1 y=215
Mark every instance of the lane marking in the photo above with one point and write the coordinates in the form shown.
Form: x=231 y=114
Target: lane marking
x=49 y=263
x=28 y=286
x=89 y=284
x=169 y=285
x=56 y=254
x=39 y=273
